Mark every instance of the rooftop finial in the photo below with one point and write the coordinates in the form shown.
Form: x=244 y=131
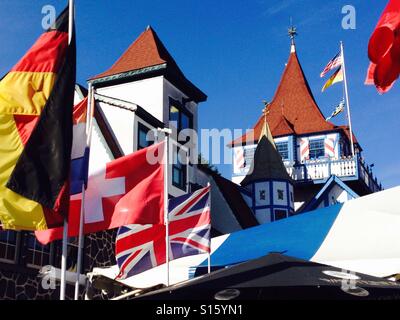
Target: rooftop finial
x=266 y=130
x=292 y=31
x=265 y=110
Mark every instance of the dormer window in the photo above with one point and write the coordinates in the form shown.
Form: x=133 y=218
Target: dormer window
x=317 y=148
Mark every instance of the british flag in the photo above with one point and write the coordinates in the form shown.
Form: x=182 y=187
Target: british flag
x=142 y=247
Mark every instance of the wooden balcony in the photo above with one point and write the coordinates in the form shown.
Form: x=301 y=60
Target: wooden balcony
x=347 y=169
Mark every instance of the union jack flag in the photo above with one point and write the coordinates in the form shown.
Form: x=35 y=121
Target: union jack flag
x=332 y=64
x=142 y=247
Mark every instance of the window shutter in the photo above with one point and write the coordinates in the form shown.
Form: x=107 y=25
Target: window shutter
x=304 y=149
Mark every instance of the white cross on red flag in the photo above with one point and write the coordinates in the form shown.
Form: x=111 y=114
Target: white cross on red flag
x=126 y=191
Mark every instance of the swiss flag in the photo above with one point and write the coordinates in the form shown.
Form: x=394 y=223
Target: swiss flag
x=384 y=49
x=125 y=191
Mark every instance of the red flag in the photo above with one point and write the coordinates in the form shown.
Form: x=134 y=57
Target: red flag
x=384 y=49
x=125 y=191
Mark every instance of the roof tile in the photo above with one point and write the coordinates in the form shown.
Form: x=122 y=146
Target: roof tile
x=146 y=51
x=293 y=109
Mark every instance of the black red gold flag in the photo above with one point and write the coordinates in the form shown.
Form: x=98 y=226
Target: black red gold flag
x=36 y=102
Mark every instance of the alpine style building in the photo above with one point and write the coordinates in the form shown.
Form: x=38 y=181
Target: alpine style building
x=296 y=161
x=143 y=90
x=313 y=150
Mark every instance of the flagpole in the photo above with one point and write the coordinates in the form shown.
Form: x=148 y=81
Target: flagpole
x=64 y=260
x=80 y=244
x=347 y=98
x=65 y=229
x=166 y=216
x=82 y=212
x=209 y=252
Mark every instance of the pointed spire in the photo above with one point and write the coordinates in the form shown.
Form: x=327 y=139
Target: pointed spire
x=267 y=164
x=293 y=109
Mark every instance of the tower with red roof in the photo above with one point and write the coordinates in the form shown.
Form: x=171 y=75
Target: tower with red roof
x=312 y=149
x=143 y=90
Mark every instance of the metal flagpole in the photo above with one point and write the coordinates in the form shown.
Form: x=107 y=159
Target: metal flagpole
x=347 y=98
x=82 y=212
x=65 y=230
x=64 y=260
x=80 y=244
x=209 y=252
x=167 y=132
x=166 y=218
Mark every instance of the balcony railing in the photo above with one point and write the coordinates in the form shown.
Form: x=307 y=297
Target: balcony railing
x=322 y=169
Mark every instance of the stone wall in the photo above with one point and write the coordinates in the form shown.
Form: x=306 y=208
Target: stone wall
x=22 y=283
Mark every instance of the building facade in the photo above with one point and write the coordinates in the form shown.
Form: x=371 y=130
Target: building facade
x=268 y=188
x=143 y=90
x=311 y=148
x=304 y=163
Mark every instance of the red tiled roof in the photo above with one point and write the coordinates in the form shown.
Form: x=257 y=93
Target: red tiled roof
x=293 y=108
x=284 y=127
x=146 y=51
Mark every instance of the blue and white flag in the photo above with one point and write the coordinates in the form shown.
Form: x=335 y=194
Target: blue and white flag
x=361 y=235
x=338 y=109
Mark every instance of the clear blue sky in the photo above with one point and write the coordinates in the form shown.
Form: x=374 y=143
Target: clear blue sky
x=235 y=51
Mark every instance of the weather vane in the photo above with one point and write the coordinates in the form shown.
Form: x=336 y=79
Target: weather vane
x=266 y=105
x=292 y=31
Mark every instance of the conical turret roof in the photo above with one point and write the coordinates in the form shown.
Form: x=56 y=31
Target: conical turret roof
x=267 y=163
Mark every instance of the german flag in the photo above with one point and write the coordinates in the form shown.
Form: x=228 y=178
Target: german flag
x=36 y=101
x=334 y=78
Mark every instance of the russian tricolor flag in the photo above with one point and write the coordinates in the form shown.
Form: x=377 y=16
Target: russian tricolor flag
x=80 y=148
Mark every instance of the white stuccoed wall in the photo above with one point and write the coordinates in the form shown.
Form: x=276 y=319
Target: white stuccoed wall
x=152 y=95
x=122 y=124
x=147 y=93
